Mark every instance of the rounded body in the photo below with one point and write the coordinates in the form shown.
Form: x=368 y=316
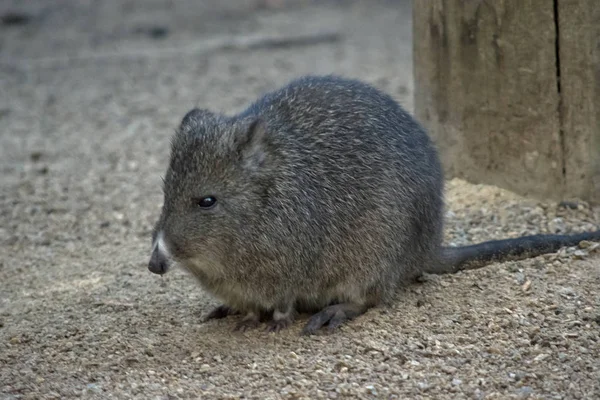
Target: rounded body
x=327 y=191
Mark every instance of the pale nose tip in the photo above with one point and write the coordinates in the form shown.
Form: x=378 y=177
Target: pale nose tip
x=158 y=263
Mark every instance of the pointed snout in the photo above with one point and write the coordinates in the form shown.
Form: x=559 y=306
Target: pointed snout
x=159 y=264
x=159 y=260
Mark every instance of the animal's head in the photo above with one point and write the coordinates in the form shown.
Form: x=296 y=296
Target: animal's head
x=216 y=183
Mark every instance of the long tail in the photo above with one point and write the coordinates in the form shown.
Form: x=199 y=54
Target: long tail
x=454 y=259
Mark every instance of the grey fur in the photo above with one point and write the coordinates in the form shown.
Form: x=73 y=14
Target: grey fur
x=329 y=197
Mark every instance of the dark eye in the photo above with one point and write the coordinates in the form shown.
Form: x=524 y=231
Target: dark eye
x=207 y=202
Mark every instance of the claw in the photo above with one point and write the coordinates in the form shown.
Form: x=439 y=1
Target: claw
x=220 y=312
x=333 y=316
x=278 y=325
x=250 y=321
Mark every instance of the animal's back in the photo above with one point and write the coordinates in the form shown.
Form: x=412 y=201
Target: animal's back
x=358 y=194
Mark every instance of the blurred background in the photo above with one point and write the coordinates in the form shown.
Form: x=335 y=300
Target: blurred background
x=97 y=87
x=128 y=70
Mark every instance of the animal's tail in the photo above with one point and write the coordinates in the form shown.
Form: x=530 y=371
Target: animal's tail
x=454 y=259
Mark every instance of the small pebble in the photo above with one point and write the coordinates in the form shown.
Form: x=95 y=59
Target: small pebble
x=371 y=389
x=520 y=278
x=93 y=387
x=594 y=248
x=580 y=254
x=525 y=391
x=557 y=225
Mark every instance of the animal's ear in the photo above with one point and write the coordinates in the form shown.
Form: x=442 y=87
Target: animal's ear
x=253 y=144
x=195 y=117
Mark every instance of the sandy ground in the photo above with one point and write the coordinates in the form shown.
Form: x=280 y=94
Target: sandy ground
x=90 y=93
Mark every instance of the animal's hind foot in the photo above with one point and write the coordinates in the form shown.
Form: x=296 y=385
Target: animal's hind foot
x=333 y=316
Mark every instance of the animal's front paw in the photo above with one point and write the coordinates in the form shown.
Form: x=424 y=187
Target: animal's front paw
x=220 y=312
x=250 y=321
x=278 y=325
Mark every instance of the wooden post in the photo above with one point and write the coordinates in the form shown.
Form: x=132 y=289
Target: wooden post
x=510 y=92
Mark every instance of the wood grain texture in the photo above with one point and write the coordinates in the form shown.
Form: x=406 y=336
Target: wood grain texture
x=579 y=50
x=487 y=88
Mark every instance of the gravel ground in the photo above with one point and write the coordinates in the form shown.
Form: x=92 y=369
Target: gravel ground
x=90 y=94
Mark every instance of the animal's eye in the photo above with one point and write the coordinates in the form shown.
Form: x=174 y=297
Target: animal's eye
x=207 y=202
